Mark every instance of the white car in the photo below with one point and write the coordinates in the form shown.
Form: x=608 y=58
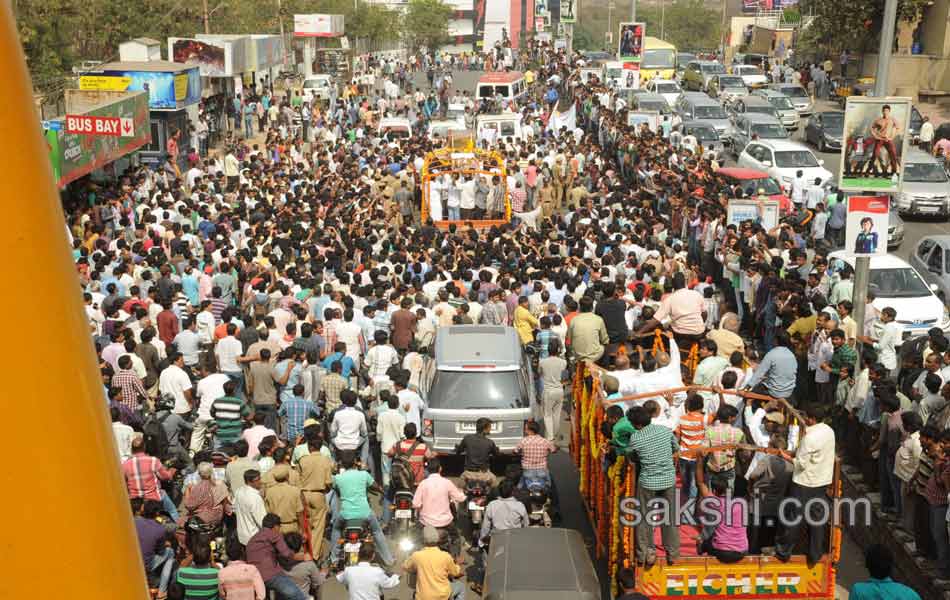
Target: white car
x=440 y=128
x=781 y=159
x=317 y=87
x=897 y=284
x=669 y=89
x=392 y=129
x=751 y=75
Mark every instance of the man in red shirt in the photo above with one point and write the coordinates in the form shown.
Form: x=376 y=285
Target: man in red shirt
x=144 y=474
x=167 y=321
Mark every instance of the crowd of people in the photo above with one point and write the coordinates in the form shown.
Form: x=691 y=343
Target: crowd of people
x=263 y=320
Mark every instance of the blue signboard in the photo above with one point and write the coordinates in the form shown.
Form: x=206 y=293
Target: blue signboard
x=166 y=90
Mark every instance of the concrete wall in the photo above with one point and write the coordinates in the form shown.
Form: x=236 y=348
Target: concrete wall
x=921 y=71
x=935 y=28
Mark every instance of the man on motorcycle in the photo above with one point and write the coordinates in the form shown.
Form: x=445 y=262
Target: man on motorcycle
x=434 y=497
x=478 y=449
x=208 y=499
x=352 y=485
x=534 y=450
x=504 y=512
x=175 y=429
x=348 y=430
x=436 y=572
x=366 y=581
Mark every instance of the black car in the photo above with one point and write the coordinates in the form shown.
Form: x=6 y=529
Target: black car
x=825 y=129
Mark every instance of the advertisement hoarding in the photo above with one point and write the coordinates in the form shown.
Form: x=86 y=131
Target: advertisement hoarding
x=567 y=10
x=166 y=90
x=104 y=83
x=630 y=42
x=764 y=212
x=318 y=25
x=866 y=225
x=73 y=155
x=636 y=118
x=214 y=58
x=874 y=141
x=630 y=77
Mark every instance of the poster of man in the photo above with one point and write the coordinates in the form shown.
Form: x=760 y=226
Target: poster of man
x=874 y=142
x=567 y=11
x=866 y=225
x=631 y=42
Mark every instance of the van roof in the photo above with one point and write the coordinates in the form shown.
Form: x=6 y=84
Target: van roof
x=565 y=572
x=501 y=77
x=461 y=345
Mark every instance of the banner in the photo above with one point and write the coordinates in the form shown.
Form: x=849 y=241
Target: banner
x=167 y=90
x=866 y=225
x=765 y=213
x=630 y=78
x=635 y=118
x=104 y=83
x=318 y=25
x=74 y=155
x=567 y=11
x=873 y=144
x=630 y=42
x=567 y=119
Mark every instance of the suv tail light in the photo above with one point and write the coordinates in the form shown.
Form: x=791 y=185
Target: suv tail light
x=427 y=429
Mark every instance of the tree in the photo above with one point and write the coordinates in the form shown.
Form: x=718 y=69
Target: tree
x=687 y=24
x=426 y=24
x=852 y=25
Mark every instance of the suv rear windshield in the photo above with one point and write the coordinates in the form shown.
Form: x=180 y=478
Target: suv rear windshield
x=463 y=390
x=710 y=112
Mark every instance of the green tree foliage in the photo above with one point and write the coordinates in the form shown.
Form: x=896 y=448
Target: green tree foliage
x=687 y=24
x=426 y=23
x=853 y=25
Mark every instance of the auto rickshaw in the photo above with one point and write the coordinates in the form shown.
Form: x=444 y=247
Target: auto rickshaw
x=539 y=563
x=843 y=87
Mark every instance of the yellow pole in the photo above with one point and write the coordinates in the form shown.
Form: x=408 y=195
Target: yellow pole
x=68 y=514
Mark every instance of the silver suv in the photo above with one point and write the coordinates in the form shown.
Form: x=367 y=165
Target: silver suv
x=926 y=187
x=763 y=127
x=781 y=103
x=480 y=371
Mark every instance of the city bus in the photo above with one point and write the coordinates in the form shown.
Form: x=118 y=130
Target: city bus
x=659 y=60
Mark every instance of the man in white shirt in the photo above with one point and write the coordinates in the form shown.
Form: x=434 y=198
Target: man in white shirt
x=467 y=199
x=390 y=425
x=227 y=351
x=926 y=135
x=411 y=404
x=123 y=435
x=350 y=333
x=348 y=428
x=209 y=388
x=176 y=383
x=814 y=466
x=891 y=337
x=815 y=194
x=799 y=189
x=381 y=356
x=249 y=508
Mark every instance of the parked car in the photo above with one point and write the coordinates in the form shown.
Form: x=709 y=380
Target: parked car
x=683 y=59
x=895 y=230
x=317 y=87
x=754 y=105
x=926 y=188
x=782 y=104
x=798 y=95
x=653 y=102
x=752 y=75
x=696 y=106
x=667 y=88
x=705 y=134
x=698 y=72
x=751 y=181
x=781 y=159
x=931 y=258
x=825 y=130
x=749 y=125
x=727 y=87
x=901 y=286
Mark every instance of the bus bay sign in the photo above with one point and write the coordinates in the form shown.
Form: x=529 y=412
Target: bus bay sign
x=97 y=125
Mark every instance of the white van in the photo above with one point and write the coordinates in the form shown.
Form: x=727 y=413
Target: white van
x=392 y=129
x=495 y=127
x=897 y=284
x=511 y=85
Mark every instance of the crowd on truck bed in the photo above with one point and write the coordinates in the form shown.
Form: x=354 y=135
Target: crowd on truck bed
x=262 y=320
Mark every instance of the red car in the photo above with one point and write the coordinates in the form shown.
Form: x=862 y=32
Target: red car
x=751 y=181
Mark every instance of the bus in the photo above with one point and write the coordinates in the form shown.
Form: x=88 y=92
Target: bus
x=659 y=60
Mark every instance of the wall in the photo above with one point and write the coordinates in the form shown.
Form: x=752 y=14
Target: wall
x=935 y=28
x=921 y=71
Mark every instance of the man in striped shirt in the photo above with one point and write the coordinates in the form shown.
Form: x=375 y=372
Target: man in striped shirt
x=143 y=474
x=297 y=410
x=691 y=432
x=199 y=581
x=133 y=392
x=228 y=413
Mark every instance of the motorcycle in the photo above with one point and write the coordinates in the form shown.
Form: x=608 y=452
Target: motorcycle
x=355 y=533
x=476 y=492
x=403 y=519
x=197 y=531
x=539 y=502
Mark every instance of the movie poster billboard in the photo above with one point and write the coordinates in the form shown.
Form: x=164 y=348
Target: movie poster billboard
x=866 y=225
x=567 y=11
x=630 y=42
x=873 y=144
x=214 y=58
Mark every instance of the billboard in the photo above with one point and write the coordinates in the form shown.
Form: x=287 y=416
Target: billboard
x=167 y=90
x=636 y=118
x=214 y=58
x=318 y=25
x=873 y=144
x=866 y=225
x=264 y=52
x=74 y=155
x=630 y=77
x=765 y=212
x=630 y=42
x=567 y=10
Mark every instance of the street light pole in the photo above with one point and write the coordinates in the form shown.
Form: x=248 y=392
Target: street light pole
x=204 y=5
x=633 y=11
x=862 y=264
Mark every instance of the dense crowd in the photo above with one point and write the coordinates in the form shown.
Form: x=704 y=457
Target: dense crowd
x=263 y=318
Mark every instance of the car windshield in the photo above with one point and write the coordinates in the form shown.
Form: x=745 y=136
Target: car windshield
x=396 y=133
x=762 y=110
x=795 y=158
x=795 y=91
x=781 y=102
x=710 y=112
x=660 y=107
x=901 y=282
x=751 y=187
x=613 y=73
x=924 y=173
x=833 y=121
x=770 y=131
x=316 y=83
x=667 y=88
x=703 y=134
x=683 y=58
x=750 y=70
x=471 y=390
x=731 y=82
x=713 y=68
x=659 y=58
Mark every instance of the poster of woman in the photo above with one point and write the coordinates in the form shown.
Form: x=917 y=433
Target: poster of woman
x=866 y=225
